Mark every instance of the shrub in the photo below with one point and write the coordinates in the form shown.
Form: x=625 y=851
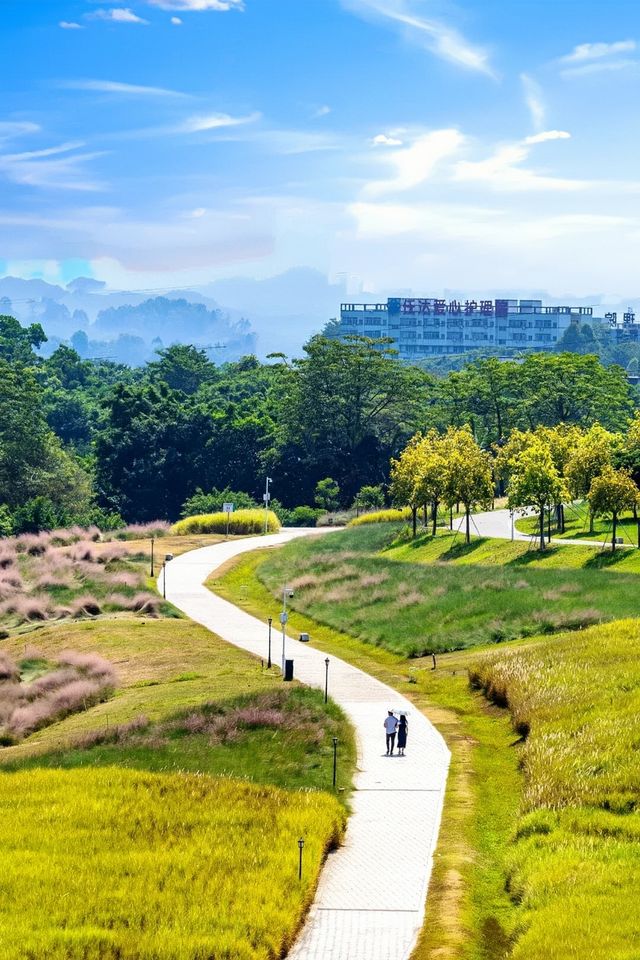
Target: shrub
x=142 y=531
x=381 y=516
x=297 y=517
x=327 y=494
x=240 y=522
x=212 y=502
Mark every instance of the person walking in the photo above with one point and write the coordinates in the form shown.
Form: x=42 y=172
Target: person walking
x=403 y=729
x=390 y=726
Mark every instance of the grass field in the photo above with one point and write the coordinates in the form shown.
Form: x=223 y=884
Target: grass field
x=193 y=783
x=575 y=864
x=439 y=594
x=112 y=864
x=470 y=912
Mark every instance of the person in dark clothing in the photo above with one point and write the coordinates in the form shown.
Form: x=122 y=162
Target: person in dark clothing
x=403 y=729
x=390 y=727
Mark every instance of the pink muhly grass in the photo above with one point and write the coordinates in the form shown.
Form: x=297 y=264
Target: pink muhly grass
x=28 y=608
x=83 y=550
x=85 y=606
x=140 y=531
x=7 y=557
x=147 y=603
x=113 y=551
x=113 y=734
x=48 y=682
x=90 y=663
x=125 y=579
x=35 y=544
x=373 y=579
x=8 y=669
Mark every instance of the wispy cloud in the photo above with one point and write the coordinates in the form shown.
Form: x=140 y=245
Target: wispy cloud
x=10 y=129
x=600 y=66
x=385 y=140
x=70 y=25
x=198 y=6
x=59 y=168
x=534 y=100
x=116 y=87
x=596 y=51
x=504 y=170
x=434 y=35
x=322 y=111
x=213 y=121
x=117 y=15
x=416 y=163
x=176 y=21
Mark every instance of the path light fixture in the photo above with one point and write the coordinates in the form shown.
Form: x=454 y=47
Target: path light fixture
x=326 y=680
x=287 y=593
x=167 y=558
x=300 y=849
x=269 y=651
x=152 y=543
x=335 y=760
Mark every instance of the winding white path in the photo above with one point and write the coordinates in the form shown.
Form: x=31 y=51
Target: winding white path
x=497 y=524
x=370 y=902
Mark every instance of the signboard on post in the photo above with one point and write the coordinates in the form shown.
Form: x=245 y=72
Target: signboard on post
x=227 y=508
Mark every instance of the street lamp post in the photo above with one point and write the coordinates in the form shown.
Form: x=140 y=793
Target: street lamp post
x=512 y=526
x=335 y=760
x=326 y=680
x=284 y=616
x=269 y=653
x=266 y=496
x=164 y=579
x=300 y=849
x=152 y=542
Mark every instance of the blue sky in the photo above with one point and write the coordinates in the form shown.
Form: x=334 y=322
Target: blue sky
x=408 y=143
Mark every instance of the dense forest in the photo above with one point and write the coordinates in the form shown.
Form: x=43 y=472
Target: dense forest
x=85 y=441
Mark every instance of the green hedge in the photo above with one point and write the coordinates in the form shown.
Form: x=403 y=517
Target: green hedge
x=240 y=522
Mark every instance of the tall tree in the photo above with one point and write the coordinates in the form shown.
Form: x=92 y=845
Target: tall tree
x=536 y=482
x=594 y=452
x=612 y=492
x=469 y=476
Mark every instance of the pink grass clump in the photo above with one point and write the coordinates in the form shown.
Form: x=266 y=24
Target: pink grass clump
x=83 y=550
x=35 y=544
x=7 y=556
x=147 y=603
x=125 y=579
x=85 y=606
x=8 y=669
x=114 y=551
x=140 y=531
x=27 y=608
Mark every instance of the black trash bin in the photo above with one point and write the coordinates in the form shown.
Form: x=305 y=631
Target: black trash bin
x=288 y=670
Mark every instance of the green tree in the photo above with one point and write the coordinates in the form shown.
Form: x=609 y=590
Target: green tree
x=182 y=367
x=593 y=452
x=327 y=494
x=213 y=501
x=469 y=477
x=611 y=492
x=17 y=342
x=536 y=482
x=405 y=473
x=369 y=497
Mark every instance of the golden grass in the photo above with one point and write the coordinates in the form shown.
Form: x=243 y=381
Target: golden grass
x=240 y=522
x=122 y=865
x=381 y=516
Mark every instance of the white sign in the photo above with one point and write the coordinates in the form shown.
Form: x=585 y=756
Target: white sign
x=266 y=497
x=227 y=508
x=284 y=618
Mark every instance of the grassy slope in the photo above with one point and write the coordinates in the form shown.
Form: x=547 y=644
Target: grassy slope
x=444 y=594
x=168 y=669
x=469 y=911
x=575 y=863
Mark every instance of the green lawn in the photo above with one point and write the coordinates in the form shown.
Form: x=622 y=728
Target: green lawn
x=190 y=787
x=415 y=597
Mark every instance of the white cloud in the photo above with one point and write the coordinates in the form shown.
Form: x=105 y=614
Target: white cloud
x=416 y=163
x=322 y=111
x=534 y=101
x=117 y=15
x=198 y=6
x=595 y=51
x=384 y=140
x=176 y=21
x=600 y=66
x=213 y=121
x=58 y=168
x=9 y=129
x=503 y=170
x=115 y=86
x=70 y=25
x=437 y=37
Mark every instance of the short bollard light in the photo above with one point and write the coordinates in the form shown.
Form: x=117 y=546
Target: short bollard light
x=326 y=680
x=335 y=760
x=269 y=654
x=300 y=849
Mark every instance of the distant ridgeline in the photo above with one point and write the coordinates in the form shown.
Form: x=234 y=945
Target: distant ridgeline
x=124 y=327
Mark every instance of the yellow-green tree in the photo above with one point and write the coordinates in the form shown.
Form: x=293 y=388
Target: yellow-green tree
x=405 y=472
x=594 y=452
x=563 y=441
x=431 y=479
x=468 y=473
x=535 y=481
x=610 y=493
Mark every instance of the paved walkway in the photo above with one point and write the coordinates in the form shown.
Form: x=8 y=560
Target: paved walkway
x=497 y=523
x=371 y=898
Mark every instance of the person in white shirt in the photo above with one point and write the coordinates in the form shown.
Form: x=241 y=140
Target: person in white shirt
x=390 y=726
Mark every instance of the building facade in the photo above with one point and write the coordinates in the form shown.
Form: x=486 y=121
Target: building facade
x=428 y=327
